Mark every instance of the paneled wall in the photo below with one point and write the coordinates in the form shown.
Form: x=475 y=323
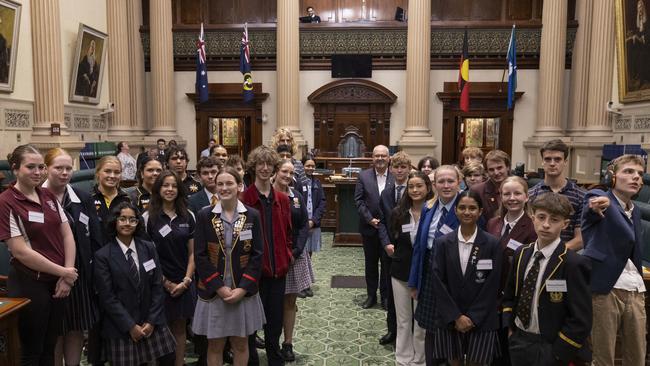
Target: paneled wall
x=224 y=12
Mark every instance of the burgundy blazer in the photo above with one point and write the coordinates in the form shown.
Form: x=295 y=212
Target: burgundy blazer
x=523 y=232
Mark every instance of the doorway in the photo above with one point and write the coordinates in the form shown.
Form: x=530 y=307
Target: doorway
x=487 y=125
x=229 y=132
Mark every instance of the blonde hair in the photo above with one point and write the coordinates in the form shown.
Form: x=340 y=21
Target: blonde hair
x=400 y=158
x=105 y=160
x=472 y=152
x=522 y=182
x=453 y=168
x=53 y=154
x=275 y=140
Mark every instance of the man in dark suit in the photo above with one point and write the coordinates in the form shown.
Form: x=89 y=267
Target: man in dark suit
x=497 y=165
x=546 y=303
x=207 y=169
x=611 y=230
x=367 y=193
x=400 y=166
x=311 y=16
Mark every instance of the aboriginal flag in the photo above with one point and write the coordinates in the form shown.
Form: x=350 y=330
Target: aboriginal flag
x=463 y=77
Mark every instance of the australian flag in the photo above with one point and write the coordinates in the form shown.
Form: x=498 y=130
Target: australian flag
x=512 y=69
x=201 y=69
x=245 y=66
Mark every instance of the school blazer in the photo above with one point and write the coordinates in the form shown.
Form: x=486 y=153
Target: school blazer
x=299 y=223
x=473 y=294
x=87 y=235
x=609 y=241
x=490 y=197
x=564 y=317
x=367 y=199
x=210 y=248
x=197 y=201
x=401 y=260
x=123 y=302
x=420 y=246
x=523 y=232
x=386 y=205
x=317 y=200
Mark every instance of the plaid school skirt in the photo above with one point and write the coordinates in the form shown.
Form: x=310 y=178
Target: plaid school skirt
x=300 y=276
x=478 y=347
x=126 y=352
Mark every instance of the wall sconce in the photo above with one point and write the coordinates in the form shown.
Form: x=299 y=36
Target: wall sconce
x=18 y=137
x=265 y=118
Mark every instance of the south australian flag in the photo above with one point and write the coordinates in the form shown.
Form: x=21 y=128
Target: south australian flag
x=463 y=76
x=201 y=69
x=245 y=66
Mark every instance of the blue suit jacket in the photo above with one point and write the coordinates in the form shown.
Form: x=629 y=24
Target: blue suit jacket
x=610 y=241
x=367 y=198
x=197 y=201
x=420 y=245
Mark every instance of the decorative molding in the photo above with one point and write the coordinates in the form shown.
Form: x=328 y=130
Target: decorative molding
x=99 y=123
x=18 y=119
x=82 y=122
x=622 y=123
x=642 y=123
x=487 y=47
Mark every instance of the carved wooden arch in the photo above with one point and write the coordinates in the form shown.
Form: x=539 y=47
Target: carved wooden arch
x=360 y=103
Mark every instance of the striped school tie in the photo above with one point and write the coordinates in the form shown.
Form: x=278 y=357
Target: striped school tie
x=133 y=268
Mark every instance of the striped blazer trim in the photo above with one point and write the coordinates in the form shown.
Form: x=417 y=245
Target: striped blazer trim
x=521 y=255
x=569 y=340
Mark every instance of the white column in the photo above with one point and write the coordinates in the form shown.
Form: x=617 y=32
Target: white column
x=162 y=69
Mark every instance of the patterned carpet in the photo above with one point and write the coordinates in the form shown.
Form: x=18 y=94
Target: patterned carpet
x=332 y=328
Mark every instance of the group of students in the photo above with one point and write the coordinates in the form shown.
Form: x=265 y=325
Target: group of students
x=491 y=274
x=130 y=270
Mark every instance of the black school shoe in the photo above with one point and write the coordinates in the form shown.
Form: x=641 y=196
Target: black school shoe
x=287 y=352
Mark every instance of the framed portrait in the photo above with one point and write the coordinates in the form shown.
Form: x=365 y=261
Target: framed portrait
x=633 y=49
x=88 y=65
x=9 y=26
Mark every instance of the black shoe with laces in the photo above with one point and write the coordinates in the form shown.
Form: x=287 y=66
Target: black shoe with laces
x=287 y=352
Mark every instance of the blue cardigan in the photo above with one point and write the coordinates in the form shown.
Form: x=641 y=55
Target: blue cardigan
x=420 y=245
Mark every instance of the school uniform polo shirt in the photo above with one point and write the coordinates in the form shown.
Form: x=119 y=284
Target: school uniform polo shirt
x=38 y=224
x=171 y=234
x=576 y=196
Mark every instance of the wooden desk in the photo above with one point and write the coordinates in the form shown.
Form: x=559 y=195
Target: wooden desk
x=9 y=341
x=347 y=217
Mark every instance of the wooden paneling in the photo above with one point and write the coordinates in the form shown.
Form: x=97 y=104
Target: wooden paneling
x=189 y=11
x=221 y=12
x=519 y=10
x=384 y=10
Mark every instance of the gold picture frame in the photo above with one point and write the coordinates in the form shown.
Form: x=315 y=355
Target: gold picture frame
x=633 y=50
x=9 y=28
x=88 y=65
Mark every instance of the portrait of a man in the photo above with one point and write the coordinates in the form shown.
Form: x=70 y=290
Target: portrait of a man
x=88 y=66
x=633 y=49
x=9 y=25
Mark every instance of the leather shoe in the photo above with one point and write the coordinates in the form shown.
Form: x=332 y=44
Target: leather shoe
x=384 y=303
x=370 y=302
x=388 y=338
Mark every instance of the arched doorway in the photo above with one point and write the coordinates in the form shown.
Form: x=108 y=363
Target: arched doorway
x=351 y=104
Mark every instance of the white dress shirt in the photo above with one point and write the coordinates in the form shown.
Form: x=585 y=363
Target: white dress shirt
x=125 y=248
x=511 y=223
x=381 y=180
x=630 y=279
x=465 y=248
x=548 y=250
x=436 y=217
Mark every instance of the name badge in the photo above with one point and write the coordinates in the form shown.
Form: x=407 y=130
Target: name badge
x=556 y=286
x=484 y=264
x=513 y=244
x=165 y=230
x=304 y=188
x=407 y=228
x=149 y=265
x=245 y=235
x=36 y=217
x=83 y=218
x=446 y=229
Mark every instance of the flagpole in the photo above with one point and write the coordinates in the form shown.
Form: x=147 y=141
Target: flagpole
x=503 y=75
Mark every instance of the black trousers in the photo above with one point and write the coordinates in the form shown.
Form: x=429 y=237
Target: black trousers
x=504 y=360
x=272 y=295
x=528 y=349
x=40 y=322
x=391 y=316
x=374 y=253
